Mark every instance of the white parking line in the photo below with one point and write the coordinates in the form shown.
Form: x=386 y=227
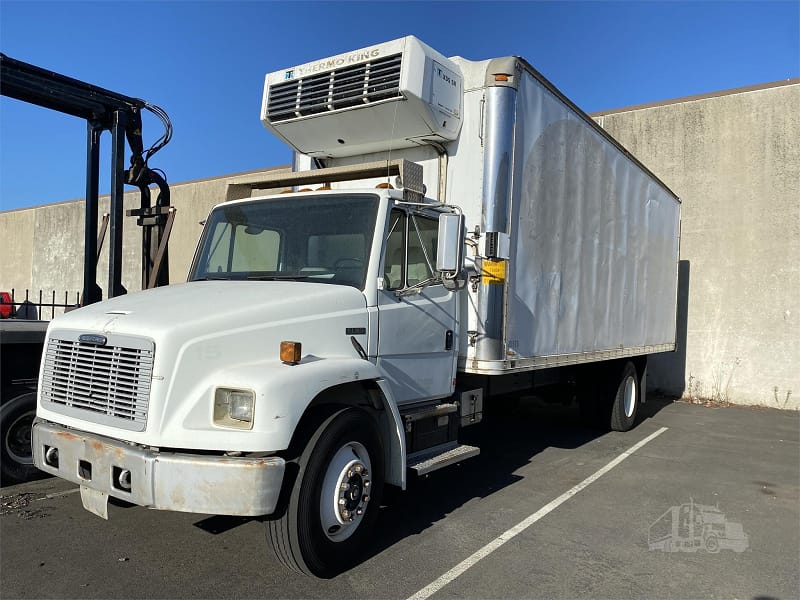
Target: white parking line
x=465 y=564
x=57 y=494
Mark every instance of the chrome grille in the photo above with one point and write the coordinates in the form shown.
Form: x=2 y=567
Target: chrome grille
x=348 y=86
x=107 y=384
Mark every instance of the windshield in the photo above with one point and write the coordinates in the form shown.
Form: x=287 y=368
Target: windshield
x=325 y=239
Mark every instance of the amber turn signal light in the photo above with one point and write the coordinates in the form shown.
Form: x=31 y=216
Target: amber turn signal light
x=290 y=352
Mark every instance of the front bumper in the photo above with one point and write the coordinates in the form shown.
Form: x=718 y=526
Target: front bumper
x=219 y=485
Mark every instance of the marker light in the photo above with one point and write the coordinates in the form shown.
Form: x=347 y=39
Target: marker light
x=291 y=352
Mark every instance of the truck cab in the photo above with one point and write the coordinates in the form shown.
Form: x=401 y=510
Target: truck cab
x=372 y=254
x=302 y=312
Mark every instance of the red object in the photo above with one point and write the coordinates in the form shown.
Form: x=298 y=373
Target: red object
x=6 y=309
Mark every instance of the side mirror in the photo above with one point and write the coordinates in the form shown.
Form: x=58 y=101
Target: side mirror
x=450 y=248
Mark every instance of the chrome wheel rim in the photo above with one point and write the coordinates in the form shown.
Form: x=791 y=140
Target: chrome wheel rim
x=345 y=491
x=629 y=396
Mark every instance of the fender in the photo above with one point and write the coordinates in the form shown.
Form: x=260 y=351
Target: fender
x=284 y=393
x=394 y=433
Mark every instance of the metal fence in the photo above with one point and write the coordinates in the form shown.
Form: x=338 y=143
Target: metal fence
x=33 y=308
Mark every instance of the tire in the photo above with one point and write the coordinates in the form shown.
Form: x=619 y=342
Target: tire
x=608 y=395
x=324 y=527
x=16 y=456
x=625 y=402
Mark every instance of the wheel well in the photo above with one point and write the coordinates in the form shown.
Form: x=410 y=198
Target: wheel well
x=367 y=396
x=360 y=394
x=640 y=362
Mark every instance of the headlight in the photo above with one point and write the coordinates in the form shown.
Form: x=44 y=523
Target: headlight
x=234 y=408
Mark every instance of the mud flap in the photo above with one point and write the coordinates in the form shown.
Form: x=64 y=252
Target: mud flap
x=95 y=501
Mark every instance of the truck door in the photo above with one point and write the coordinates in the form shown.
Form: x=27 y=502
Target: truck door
x=417 y=315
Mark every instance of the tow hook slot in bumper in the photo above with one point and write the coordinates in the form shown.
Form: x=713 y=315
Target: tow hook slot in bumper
x=103 y=467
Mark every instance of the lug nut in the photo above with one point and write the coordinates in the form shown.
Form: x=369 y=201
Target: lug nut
x=359 y=512
x=366 y=484
x=365 y=498
x=345 y=486
x=342 y=501
x=345 y=513
x=358 y=468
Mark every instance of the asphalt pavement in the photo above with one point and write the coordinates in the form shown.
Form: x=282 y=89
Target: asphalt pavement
x=548 y=510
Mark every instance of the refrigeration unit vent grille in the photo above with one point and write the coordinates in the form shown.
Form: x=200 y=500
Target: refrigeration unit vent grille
x=354 y=85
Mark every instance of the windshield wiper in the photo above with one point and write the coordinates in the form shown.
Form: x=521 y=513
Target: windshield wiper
x=211 y=278
x=277 y=277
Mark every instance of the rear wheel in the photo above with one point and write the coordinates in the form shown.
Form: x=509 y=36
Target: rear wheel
x=609 y=395
x=335 y=497
x=625 y=402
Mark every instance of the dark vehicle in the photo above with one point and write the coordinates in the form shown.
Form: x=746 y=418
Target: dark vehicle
x=19 y=363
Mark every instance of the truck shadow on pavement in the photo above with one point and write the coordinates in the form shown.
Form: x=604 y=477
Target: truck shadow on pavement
x=509 y=437
x=508 y=440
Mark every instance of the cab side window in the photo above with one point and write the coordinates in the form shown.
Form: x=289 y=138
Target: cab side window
x=394 y=261
x=410 y=250
x=422 y=239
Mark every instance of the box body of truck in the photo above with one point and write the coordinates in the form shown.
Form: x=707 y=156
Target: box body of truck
x=452 y=229
x=581 y=240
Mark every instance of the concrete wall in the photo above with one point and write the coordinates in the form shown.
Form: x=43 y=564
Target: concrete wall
x=734 y=160
x=17 y=233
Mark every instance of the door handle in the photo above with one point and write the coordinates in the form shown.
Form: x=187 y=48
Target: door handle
x=448 y=340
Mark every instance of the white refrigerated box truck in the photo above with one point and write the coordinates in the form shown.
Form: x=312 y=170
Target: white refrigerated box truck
x=452 y=230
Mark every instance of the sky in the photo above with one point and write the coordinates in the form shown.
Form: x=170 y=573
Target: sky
x=204 y=63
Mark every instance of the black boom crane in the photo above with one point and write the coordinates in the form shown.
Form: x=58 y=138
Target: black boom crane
x=104 y=110
x=22 y=341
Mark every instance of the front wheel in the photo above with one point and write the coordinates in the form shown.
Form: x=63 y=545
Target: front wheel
x=335 y=498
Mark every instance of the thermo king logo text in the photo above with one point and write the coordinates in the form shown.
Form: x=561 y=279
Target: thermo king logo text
x=332 y=63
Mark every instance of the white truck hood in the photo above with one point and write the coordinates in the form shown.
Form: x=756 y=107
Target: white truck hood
x=215 y=333
x=207 y=305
